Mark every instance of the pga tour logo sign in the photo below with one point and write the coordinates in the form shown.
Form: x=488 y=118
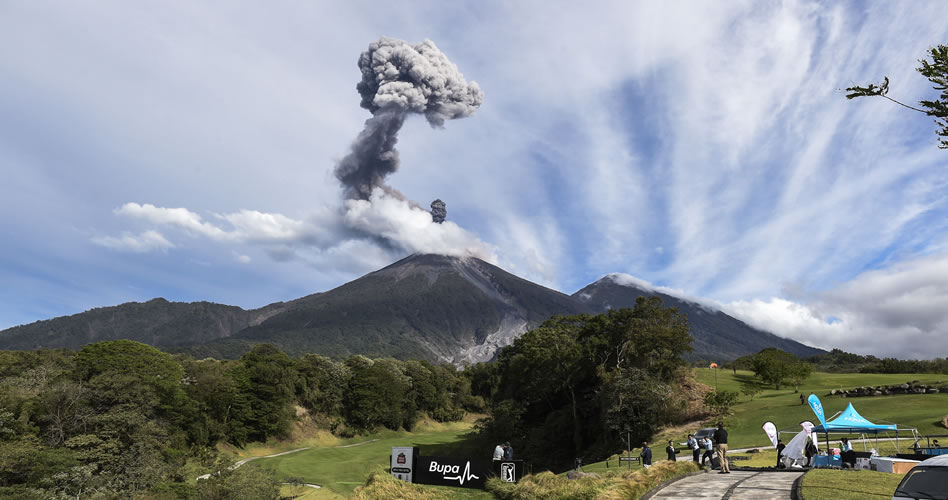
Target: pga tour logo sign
x=508 y=472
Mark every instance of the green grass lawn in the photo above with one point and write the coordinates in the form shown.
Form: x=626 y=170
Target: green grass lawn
x=341 y=470
x=783 y=407
x=827 y=484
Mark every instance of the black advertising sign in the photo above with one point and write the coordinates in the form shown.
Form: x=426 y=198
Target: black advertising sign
x=448 y=471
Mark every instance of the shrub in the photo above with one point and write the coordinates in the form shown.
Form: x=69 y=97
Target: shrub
x=381 y=484
x=608 y=486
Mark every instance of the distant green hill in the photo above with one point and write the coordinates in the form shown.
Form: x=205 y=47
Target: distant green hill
x=157 y=322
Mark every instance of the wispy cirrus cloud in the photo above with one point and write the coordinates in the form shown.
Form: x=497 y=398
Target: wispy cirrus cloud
x=147 y=241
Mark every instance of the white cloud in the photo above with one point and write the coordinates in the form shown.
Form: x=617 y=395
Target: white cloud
x=148 y=241
x=900 y=311
x=179 y=217
x=411 y=228
x=632 y=281
x=396 y=222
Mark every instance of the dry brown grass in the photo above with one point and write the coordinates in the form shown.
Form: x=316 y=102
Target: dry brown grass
x=608 y=486
x=382 y=485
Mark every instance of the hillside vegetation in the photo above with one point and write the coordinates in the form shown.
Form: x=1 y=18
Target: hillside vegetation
x=123 y=419
x=783 y=407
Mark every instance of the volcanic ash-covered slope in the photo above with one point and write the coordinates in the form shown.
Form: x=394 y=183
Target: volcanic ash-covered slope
x=717 y=335
x=437 y=307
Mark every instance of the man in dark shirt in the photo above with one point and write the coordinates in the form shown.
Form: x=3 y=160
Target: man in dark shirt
x=809 y=452
x=780 y=447
x=720 y=439
x=670 y=449
x=646 y=455
x=508 y=451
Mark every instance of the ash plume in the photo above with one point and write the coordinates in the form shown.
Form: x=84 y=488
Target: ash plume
x=399 y=78
x=439 y=211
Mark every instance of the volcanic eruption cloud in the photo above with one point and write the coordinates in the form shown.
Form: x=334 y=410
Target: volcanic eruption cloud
x=400 y=79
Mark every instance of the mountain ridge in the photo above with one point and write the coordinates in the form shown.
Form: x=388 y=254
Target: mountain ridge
x=445 y=309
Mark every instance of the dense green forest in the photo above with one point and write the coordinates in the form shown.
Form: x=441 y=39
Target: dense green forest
x=120 y=419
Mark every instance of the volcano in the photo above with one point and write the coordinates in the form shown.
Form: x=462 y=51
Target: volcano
x=443 y=309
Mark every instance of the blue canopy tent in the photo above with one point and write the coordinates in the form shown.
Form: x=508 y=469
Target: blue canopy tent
x=849 y=421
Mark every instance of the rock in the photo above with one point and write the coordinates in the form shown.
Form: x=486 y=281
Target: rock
x=833 y=392
x=904 y=386
x=877 y=393
x=932 y=391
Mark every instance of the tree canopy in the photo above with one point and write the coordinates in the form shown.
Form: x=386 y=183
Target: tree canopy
x=579 y=385
x=936 y=71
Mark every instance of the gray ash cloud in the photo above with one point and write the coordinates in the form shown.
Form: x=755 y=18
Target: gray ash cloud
x=439 y=211
x=397 y=79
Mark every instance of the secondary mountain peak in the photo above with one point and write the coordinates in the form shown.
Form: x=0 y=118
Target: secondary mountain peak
x=717 y=335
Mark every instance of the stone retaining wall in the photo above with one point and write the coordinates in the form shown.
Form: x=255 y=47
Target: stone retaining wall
x=913 y=387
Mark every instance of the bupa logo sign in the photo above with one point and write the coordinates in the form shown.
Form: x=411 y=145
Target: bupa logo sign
x=446 y=471
x=453 y=472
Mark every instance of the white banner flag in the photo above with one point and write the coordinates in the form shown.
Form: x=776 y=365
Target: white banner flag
x=807 y=426
x=771 y=430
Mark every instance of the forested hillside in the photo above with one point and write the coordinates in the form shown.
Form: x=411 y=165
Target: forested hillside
x=121 y=419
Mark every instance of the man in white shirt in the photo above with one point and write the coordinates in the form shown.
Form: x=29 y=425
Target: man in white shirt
x=499 y=452
x=695 y=451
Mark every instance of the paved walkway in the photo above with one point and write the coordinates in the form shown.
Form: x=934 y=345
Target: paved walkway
x=738 y=485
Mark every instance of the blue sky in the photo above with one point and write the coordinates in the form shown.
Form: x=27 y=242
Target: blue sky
x=185 y=150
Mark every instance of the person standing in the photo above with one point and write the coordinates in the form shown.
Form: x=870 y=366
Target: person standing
x=780 y=447
x=508 y=451
x=720 y=438
x=646 y=455
x=809 y=452
x=708 y=451
x=670 y=449
x=847 y=455
x=499 y=452
x=695 y=450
